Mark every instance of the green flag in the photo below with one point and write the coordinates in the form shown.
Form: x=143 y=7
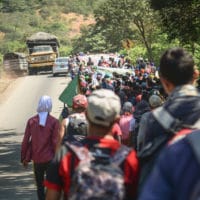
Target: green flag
x=69 y=92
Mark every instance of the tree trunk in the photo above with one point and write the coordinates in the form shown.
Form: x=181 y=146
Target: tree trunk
x=141 y=29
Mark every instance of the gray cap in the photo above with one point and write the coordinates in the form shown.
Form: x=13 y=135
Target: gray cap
x=155 y=101
x=103 y=107
x=127 y=107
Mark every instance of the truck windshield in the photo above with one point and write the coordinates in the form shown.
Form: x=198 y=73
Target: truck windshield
x=42 y=48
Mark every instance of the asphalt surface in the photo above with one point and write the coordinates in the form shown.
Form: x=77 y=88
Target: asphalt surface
x=15 y=182
x=17 y=104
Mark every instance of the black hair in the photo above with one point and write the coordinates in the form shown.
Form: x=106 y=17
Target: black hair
x=177 y=66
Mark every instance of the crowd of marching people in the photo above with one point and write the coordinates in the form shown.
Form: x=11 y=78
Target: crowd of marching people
x=139 y=120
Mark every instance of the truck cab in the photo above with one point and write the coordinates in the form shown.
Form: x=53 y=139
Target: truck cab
x=43 y=50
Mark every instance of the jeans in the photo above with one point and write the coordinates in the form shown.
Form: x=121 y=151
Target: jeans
x=39 y=171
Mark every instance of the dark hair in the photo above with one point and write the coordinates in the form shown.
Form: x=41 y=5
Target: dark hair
x=177 y=66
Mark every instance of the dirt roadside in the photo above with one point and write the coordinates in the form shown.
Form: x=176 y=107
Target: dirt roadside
x=6 y=79
x=6 y=86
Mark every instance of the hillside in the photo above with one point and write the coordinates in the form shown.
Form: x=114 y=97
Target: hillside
x=20 y=19
x=72 y=20
x=76 y=21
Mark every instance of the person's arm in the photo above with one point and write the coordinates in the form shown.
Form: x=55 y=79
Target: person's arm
x=116 y=132
x=61 y=132
x=53 y=194
x=26 y=146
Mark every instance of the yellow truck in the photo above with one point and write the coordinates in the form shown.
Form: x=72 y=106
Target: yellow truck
x=43 y=48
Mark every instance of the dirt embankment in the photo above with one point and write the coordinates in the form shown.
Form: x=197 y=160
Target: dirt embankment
x=6 y=78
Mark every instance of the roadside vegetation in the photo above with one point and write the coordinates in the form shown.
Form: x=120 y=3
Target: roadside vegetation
x=149 y=26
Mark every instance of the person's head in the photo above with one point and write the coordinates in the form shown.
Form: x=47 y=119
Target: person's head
x=44 y=104
x=138 y=98
x=44 y=108
x=155 y=101
x=176 y=67
x=79 y=103
x=127 y=108
x=103 y=109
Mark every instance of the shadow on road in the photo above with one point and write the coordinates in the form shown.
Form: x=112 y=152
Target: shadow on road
x=16 y=183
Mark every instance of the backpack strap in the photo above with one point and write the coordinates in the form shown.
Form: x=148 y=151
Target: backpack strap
x=194 y=140
x=80 y=151
x=179 y=135
x=196 y=125
x=166 y=120
x=169 y=123
x=120 y=155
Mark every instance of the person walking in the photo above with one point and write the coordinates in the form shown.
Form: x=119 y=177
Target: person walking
x=124 y=122
x=154 y=101
x=172 y=181
x=102 y=112
x=74 y=126
x=39 y=142
x=176 y=71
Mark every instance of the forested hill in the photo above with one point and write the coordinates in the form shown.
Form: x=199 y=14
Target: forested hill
x=64 y=18
x=150 y=26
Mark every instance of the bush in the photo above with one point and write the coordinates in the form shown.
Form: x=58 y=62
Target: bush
x=65 y=51
x=134 y=53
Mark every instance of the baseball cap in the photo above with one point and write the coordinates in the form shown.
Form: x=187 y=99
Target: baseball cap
x=155 y=101
x=103 y=107
x=80 y=101
x=127 y=107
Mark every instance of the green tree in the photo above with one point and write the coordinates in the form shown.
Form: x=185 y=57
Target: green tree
x=127 y=19
x=90 y=41
x=113 y=22
x=9 y=6
x=180 y=19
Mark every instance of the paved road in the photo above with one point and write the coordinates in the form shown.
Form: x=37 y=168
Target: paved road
x=17 y=104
